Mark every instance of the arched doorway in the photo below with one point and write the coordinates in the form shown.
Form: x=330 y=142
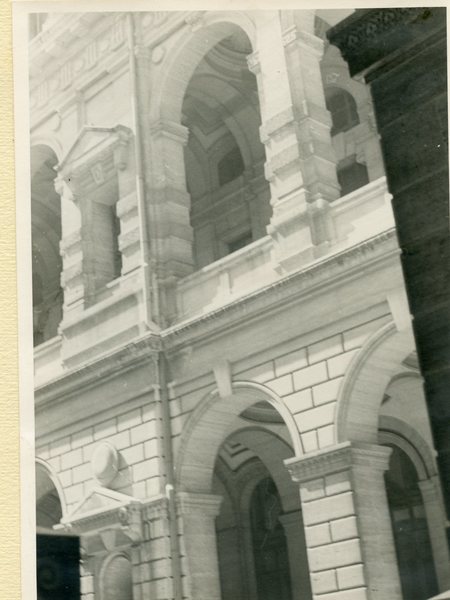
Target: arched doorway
x=270 y=551
x=224 y=156
x=409 y=525
x=256 y=544
x=46 y=237
x=259 y=530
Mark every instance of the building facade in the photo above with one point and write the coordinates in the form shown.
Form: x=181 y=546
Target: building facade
x=227 y=397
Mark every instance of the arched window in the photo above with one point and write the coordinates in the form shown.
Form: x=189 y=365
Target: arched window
x=409 y=525
x=48 y=501
x=351 y=175
x=269 y=543
x=342 y=106
x=116 y=579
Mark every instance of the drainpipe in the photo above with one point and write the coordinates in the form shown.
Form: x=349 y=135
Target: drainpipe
x=151 y=301
x=149 y=289
x=163 y=394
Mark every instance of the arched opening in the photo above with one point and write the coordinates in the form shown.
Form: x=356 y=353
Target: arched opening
x=116 y=578
x=343 y=109
x=224 y=157
x=45 y=237
x=351 y=175
x=270 y=550
x=409 y=525
x=235 y=448
x=382 y=387
x=259 y=531
x=48 y=502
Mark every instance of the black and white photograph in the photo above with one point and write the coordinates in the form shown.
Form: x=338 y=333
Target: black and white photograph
x=234 y=293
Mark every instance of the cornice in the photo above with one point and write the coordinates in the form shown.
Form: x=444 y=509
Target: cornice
x=326 y=273
x=342 y=457
x=295 y=287
x=91 y=374
x=369 y=36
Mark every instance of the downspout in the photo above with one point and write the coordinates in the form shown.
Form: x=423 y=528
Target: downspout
x=151 y=300
x=149 y=289
x=163 y=394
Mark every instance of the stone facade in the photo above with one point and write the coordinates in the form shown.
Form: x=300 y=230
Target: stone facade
x=223 y=341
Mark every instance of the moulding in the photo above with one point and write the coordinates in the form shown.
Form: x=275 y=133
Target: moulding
x=328 y=272
x=341 y=457
x=94 y=373
x=198 y=504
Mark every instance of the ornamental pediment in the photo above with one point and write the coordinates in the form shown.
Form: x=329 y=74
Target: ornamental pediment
x=105 y=520
x=99 y=503
x=95 y=157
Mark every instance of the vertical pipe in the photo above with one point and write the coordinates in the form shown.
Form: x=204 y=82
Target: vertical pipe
x=148 y=285
x=163 y=370
x=151 y=307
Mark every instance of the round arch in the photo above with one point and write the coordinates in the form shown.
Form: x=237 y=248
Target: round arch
x=115 y=577
x=209 y=425
x=272 y=451
x=393 y=431
x=367 y=377
x=41 y=141
x=180 y=64
x=49 y=491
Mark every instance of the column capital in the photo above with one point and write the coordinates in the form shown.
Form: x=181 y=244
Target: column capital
x=190 y=503
x=341 y=457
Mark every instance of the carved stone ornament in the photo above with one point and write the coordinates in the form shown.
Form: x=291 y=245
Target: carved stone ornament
x=105 y=463
x=94 y=157
x=105 y=520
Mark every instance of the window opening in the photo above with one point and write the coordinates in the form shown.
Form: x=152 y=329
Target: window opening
x=240 y=242
x=351 y=176
x=342 y=106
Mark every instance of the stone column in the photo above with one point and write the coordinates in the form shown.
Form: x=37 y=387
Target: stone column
x=348 y=531
x=298 y=560
x=300 y=159
x=71 y=250
x=435 y=514
x=199 y=546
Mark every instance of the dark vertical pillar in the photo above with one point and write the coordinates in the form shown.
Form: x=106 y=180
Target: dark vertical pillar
x=402 y=54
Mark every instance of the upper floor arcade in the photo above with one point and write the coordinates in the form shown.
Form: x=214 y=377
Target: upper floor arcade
x=184 y=161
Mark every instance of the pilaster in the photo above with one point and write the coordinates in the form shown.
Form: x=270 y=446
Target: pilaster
x=169 y=208
x=197 y=519
x=295 y=129
x=347 y=524
x=435 y=514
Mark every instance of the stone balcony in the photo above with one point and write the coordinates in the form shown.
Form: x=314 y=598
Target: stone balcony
x=357 y=217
